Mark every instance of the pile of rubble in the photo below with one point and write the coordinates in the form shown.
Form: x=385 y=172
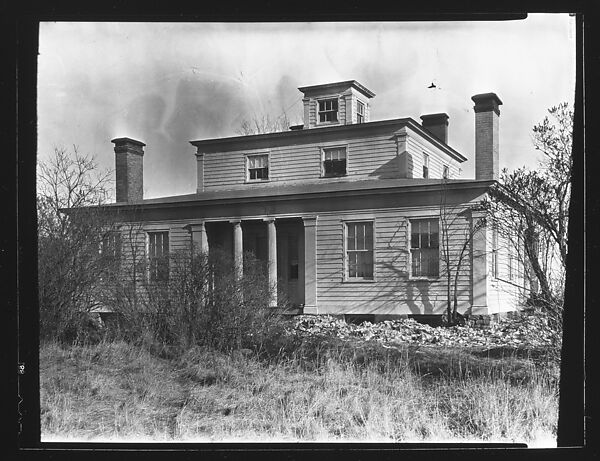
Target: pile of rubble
x=526 y=331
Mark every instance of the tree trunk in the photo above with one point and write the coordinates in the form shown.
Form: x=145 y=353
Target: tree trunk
x=450 y=317
x=529 y=242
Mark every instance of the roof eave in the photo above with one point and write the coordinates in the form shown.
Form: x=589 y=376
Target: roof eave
x=198 y=199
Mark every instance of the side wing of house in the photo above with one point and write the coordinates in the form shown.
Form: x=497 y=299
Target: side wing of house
x=421 y=153
x=506 y=276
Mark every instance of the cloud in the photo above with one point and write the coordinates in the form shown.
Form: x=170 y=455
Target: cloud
x=167 y=84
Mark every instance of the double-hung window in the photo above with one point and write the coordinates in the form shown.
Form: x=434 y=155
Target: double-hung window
x=258 y=167
x=510 y=242
x=494 y=251
x=360 y=112
x=424 y=247
x=359 y=250
x=446 y=172
x=425 y=166
x=328 y=110
x=110 y=249
x=158 y=256
x=334 y=161
x=110 y=252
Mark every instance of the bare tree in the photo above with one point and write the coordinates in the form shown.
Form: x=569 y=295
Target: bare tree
x=71 y=239
x=458 y=226
x=535 y=204
x=261 y=124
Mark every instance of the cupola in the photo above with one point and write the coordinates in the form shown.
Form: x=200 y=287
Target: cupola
x=339 y=103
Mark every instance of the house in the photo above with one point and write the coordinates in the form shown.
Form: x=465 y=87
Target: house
x=355 y=217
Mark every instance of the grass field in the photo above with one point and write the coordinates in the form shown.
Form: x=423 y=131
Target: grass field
x=328 y=391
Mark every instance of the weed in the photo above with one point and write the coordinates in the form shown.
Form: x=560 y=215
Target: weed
x=318 y=392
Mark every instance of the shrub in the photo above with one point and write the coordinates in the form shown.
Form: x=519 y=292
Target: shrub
x=202 y=303
x=71 y=229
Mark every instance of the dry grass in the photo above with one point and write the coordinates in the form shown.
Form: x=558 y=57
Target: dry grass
x=116 y=391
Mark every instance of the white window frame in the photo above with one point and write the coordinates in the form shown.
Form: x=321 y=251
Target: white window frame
x=115 y=249
x=360 y=115
x=347 y=277
x=148 y=232
x=425 y=165
x=318 y=111
x=511 y=259
x=411 y=221
x=494 y=252
x=445 y=171
x=511 y=266
x=247 y=166
x=329 y=148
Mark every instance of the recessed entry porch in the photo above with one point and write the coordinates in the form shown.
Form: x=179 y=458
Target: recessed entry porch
x=280 y=242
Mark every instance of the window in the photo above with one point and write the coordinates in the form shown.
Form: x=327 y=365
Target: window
x=110 y=247
x=328 y=110
x=110 y=252
x=446 y=172
x=258 y=167
x=425 y=166
x=158 y=256
x=360 y=112
x=512 y=267
x=424 y=247
x=334 y=161
x=359 y=250
x=494 y=251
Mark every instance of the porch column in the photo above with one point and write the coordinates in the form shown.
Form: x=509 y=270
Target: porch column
x=272 y=263
x=199 y=237
x=310 y=265
x=238 y=252
x=479 y=264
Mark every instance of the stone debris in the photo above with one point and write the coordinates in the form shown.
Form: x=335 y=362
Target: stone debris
x=525 y=331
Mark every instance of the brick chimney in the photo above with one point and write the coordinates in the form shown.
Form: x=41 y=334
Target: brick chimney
x=487 y=121
x=129 y=155
x=437 y=125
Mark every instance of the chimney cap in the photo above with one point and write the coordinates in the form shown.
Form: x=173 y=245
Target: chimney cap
x=487 y=101
x=121 y=141
x=435 y=118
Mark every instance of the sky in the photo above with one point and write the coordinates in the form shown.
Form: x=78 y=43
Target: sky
x=166 y=84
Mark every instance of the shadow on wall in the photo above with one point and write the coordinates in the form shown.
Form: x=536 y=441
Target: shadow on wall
x=417 y=295
x=389 y=170
x=401 y=166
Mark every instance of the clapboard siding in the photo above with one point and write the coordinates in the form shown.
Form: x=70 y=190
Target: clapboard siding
x=133 y=250
x=224 y=169
x=417 y=145
x=392 y=291
x=134 y=240
x=368 y=158
x=505 y=294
